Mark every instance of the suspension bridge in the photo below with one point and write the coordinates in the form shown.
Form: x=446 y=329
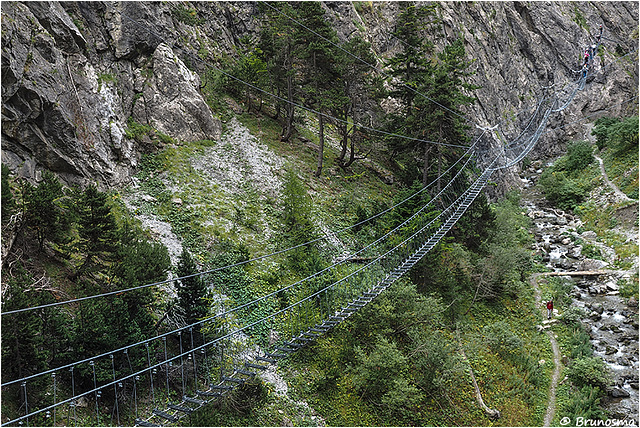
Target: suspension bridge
x=170 y=376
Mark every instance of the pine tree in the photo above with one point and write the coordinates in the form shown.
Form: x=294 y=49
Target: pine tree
x=23 y=347
x=319 y=63
x=96 y=227
x=444 y=121
x=192 y=292
x=411 y=69
x=250 y=68
x=43 y=213
x=277 y=41
x=355 y=83
x=434 y=88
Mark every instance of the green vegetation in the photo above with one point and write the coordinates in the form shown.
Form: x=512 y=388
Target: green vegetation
x=136 y=131
x=618 y=143
x=44 y=212
x=587 y=374
x=629 y=288
x=192 y=292
x=76 y=243
x=588 y=371
x=567 y=183
x=394 y=363
x=8 y=203
x=578 y=18
x=389 y=363
x=105 y=78
x=186 y=15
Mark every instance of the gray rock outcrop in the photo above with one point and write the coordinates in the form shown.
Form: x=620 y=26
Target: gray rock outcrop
x=171 y=102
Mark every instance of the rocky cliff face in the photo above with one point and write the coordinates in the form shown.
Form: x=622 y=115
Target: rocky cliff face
x=75 y=73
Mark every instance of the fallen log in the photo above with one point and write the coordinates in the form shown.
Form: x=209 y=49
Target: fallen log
x=492 y=414
x=576 y=273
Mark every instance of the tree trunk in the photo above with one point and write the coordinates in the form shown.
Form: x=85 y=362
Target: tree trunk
x=425 y=167
x=492 y=414
x=343 y=144
x=290 y=111
x=320 y=143
x=277 y=103
x=439 y=168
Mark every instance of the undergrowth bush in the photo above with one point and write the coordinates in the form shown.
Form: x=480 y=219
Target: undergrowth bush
x=580 y=343
x=567 y=183
x=589 y=371
x=584 y=402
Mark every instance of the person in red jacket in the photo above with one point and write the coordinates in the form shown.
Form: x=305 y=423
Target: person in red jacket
x=549 y=309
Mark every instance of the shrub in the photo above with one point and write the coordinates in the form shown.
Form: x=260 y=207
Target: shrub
x=562 y=191
x=579 y=156
x=561 y=291
x=620 y=135
x=7 y=197
x=187 y=15
x=585 y=403
x=629 y=288
x=601 y=131
x=135 y=130
x=376 y=372
x=589 y=371
x=623 y=135
x=591 y=251
x=501 y=339
x=579 y=343
x=573 y=315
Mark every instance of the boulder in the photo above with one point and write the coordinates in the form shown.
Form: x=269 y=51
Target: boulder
x=566 y=264
x=575 y=252
x=618 y=393
x=612 y=286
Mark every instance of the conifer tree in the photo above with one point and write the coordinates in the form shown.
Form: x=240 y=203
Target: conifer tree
x=96 y=227
x=321 y=78
x=23 y=344
x=355 y=82
x=445 y=122
x=411 y=69
x=434 y=88
x=43 y=213
x=277 y=41
x=192 y=292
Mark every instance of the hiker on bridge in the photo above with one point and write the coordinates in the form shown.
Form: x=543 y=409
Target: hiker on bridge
x=549 y=309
